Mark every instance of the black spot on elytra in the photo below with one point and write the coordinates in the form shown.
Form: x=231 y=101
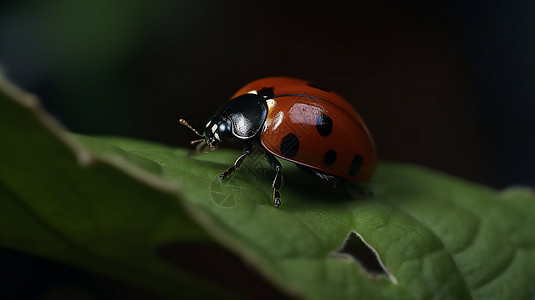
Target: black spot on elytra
x=324 y=124
x=329 y=157
x=319 y=87
x=266 y=92
x=355 y=165
x=290 y=145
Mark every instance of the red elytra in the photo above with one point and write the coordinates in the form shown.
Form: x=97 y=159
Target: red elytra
x=315 y=127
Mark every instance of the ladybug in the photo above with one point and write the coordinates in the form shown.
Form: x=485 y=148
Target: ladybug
x=298 y=121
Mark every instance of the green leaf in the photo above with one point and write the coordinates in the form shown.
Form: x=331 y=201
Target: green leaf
x=153 y=215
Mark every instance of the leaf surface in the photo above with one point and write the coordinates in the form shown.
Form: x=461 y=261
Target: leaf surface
x=152 y=215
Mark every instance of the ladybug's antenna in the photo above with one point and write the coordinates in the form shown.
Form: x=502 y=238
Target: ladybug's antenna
x=183 y=122
x=196 y=141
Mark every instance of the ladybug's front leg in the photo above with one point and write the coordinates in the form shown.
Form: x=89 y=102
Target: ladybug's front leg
x=278 y=178
x=246 y=152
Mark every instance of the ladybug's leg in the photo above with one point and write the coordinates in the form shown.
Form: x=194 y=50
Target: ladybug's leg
x=278 y=178
x=246 y=152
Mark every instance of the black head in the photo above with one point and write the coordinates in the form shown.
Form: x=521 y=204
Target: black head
x=241 y=118
x=217 y=129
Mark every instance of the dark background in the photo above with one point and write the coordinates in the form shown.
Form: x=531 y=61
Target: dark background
x=443 y=84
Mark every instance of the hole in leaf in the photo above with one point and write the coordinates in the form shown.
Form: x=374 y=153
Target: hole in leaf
x=355 y=248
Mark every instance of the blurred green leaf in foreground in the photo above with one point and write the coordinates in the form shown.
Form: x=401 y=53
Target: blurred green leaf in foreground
x=153 y=216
